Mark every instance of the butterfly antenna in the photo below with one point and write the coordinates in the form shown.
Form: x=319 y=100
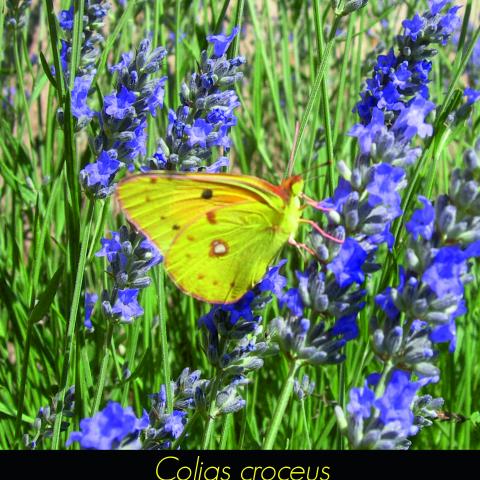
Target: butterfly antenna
x=291 y=160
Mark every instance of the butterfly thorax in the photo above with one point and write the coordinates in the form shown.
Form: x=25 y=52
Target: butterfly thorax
x=291 y=213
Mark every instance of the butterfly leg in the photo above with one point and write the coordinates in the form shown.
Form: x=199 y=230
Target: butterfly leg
x=316 y=205
x=321 y=232
x=301 y=246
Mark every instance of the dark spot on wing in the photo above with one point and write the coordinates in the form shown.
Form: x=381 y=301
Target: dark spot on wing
x=215 y=283
x=176 y=227
x=200 y=276
x=207 y=193
x=211 y=217
x=190 y=238
x=162 y=218
x=232 y=284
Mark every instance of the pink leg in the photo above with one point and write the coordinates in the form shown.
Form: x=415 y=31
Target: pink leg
x=320 y=231
x=313 y=203
x=301 y=246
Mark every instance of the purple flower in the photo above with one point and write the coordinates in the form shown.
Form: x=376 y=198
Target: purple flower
x=422 y=220
x=126 y=306
x=293 y=301
x=240 y=309
x=218 y=165
x=347 y=265
x=175 y=423
x=110 y=247
x=472 y=95
x=126 y=59
x=119 y=105
x=108 y=428
x=340 y=196
x=361 y=402
x=396 y=402
x=221 y=42
x=384 y=183
x=80 y=90
x=385 y=302
x=65 y=19
x=64 y=49
x=414 y=27
x=347 y=327
x=411 y=120
x=273 y=281
x=444 y=274
x=90 y=301
x=156 y=256
x=102 y=171
x=155 y=100
x=198 y=133
x=366 y=133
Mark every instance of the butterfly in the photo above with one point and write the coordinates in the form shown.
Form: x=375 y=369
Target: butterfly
x=218 y=233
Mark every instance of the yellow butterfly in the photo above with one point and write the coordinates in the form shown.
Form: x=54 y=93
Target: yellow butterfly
x=218 y=232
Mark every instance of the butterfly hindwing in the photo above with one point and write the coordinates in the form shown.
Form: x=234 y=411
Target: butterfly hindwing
x=225 y=252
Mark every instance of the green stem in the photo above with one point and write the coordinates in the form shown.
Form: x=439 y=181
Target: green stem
x=67 y=353
x=316 y=86
x=211 y=415
x=163 y=337
x=305 y=425
x=76 y=40
x=281 y=407
x=325 y=100
x=103 y=368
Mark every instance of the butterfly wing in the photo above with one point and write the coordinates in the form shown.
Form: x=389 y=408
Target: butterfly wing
x=218 y=233
x=221 y=255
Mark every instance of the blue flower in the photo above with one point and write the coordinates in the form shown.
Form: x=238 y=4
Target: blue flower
x=293 y=301
x=126 y=307
x=175 y=423
x=90 y=301
x=218 y=165
x=421 y=222
x=347 y=326
x=396 y=402
x=101 y=172
x=273 y=281
x=120 y=104
x=414 y=27
x=366 y=134
x=411 y=120
x=152 y=251
x=126 y=60
x=198 y=133
x=108 y=428
x=221 y=42
x=65 y=19
x=384 y=183
x=155 y=100
x=444 y=274
x=347 y=265
x=472 y=95
x=81 y=87
x=110 y=247
x=361 y=402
